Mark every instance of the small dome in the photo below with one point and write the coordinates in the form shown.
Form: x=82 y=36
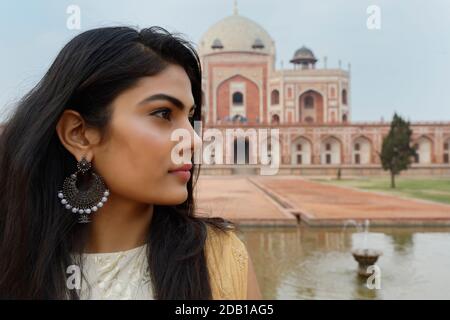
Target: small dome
x=258 y=44
x=304 y=55
x=217 y=44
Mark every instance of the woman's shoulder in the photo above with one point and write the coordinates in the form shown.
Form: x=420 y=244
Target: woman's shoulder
x=226 y=242
x=227 y=260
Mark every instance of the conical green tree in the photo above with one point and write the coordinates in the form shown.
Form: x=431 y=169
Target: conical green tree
x=396 y=151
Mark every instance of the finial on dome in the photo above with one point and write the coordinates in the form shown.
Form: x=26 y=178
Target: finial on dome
x=235 y=8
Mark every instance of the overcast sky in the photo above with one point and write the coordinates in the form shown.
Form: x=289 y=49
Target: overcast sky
x=404 y=66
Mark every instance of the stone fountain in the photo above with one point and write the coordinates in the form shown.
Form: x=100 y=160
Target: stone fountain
x=365 y=259
x=364 y=256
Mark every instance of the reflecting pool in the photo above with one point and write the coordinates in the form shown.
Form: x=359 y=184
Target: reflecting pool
x=316 y=263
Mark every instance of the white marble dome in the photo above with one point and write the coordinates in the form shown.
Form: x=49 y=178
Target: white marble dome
x=236 y=33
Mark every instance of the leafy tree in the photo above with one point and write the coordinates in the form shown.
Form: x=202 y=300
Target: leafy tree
x=396 y=152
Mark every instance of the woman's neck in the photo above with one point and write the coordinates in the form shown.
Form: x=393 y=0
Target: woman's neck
x=119 y=225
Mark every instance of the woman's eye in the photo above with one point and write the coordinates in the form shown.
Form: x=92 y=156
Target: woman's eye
x=163 y=113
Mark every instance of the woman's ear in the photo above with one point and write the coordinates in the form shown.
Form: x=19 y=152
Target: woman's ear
x=74 y=135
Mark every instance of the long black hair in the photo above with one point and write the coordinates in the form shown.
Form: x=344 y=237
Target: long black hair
x=37 y=236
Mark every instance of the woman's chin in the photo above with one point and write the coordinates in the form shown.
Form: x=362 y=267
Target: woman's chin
x=182 y=196
x=175 y=196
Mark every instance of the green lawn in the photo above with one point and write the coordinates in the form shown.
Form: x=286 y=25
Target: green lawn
x=429 y=189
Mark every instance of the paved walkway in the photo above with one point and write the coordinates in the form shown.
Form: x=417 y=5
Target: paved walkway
x=281 y=200
x=237 y=199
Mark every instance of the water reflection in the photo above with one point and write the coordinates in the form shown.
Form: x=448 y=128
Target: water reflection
x=316 y=263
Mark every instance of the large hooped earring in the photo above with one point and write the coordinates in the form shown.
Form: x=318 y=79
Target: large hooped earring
x=83 y=201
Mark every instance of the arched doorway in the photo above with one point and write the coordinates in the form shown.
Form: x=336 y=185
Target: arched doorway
x=424 y=148
x=344 y=97
x=241 y=151
x=361 y=151
x=310 y=107
x=447 y=151
x=275 y=97
x=301 y=151
x=330 y=151
x=238 y=98
x=275 y=119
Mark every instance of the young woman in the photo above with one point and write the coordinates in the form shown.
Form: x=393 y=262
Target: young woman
x=93 y=206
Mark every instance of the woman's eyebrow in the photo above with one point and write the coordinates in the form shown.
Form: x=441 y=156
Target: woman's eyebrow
x=162 y=96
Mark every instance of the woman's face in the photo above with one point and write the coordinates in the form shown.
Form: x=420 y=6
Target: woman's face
x=136 y=159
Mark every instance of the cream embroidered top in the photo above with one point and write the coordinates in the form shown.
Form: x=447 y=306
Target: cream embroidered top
x=125 y=275
x=116 y=275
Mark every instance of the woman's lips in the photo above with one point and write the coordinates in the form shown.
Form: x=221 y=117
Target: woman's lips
x=184 y=175
x=182 y=172
x=185 y=167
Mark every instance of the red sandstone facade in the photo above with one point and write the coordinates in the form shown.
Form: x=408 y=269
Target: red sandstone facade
x=311 y=107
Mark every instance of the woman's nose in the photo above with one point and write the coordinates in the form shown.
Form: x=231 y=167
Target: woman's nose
x=193 y=144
